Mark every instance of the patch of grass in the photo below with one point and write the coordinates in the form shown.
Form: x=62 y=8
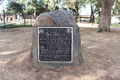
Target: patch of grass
x=115 y=25
x=15 y=26
x=98 y=19
x=99 y=29
x=77 y=73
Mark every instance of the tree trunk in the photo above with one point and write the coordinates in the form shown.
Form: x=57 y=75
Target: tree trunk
x=4 y=19
x=92 y=15
x=23 y=18
x=34 y=12
x=79 y=14
x=105 y=17
x=54 y=3
x=35 y=8
x=46 y=6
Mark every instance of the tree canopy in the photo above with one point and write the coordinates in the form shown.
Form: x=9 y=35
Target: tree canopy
x=15 y=7
x=74 y=6
x=26 y=6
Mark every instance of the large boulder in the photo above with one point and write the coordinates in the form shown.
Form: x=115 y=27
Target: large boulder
x=60 y=18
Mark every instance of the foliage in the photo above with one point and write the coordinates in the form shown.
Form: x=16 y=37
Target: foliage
x=15 y=7
x=73 y=3
x=35 y=6
x=56 y=8
x=116 y=8
x=116 y=25
x=74 y=6
x=32 y=5
x=98 y=19
x=26 y=3
x=95 y=6
x=73 y=11
x=99 y=29
x=39 y=8
x=52 y=4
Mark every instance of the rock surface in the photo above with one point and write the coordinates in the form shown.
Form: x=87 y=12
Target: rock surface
x=61 y=18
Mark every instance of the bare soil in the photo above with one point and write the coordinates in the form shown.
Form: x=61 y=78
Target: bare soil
x=101 y=54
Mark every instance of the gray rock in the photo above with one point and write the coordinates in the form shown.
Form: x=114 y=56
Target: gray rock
x=61 y=18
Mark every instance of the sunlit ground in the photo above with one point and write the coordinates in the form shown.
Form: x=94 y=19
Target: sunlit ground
x=101 y=54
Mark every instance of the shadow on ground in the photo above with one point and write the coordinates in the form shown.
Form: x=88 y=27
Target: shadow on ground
x=100 y=53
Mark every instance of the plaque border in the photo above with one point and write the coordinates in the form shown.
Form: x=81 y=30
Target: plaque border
x=57 y=61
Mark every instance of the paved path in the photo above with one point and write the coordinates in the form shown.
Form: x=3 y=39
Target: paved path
x=115 y=28
x=86 y=25
x=89 y=25
x=5 y=24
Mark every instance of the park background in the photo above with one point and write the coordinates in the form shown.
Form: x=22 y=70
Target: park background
x=100 y=51
x=25 y=12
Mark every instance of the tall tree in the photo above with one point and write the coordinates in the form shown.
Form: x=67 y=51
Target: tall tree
x=34 y=2
x=105 y=17
x=26 y=3
x=15 y=7
x=95 y=5
x=74 y=5
x=46 y=2
x=34 y=7
x=51 y=4
x=116 y=8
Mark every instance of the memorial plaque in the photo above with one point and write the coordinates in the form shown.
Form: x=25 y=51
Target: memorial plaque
x=55 y=44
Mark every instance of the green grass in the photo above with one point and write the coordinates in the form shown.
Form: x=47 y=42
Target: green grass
x=115 y=25
x=15 y=26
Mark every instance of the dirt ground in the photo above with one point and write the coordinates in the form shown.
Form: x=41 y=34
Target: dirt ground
x=101 y=54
